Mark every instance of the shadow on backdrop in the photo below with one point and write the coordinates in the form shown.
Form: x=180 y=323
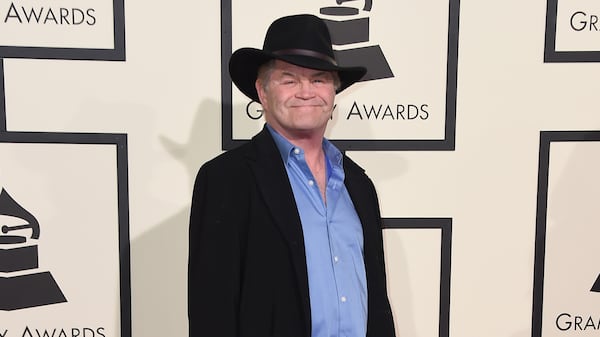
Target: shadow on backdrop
x=159 y=271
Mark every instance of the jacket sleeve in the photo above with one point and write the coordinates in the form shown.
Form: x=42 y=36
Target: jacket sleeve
x=214 y=257
x=381 y=321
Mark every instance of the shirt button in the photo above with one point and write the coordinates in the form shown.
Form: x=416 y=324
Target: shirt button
x=343 y=299
x=310 y=182
x=296 y=151
x=336 y=259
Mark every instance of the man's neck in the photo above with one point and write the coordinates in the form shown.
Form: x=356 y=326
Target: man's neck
x=314 y=155
x=311 y=142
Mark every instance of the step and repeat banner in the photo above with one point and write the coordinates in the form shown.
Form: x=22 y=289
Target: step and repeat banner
x=478 y=123
x=567 y=280
x=64 y=209
x=64 y=247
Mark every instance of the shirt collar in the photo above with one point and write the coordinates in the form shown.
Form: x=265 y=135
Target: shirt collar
x=286 y=148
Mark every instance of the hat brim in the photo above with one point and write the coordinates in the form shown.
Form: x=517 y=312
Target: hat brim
x=244 y=64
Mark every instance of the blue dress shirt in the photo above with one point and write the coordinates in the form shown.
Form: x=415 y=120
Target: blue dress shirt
x=333 y=240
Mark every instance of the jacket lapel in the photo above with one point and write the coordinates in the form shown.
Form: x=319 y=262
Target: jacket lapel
x=273 y=183
x=364 y=199
x=359 y=193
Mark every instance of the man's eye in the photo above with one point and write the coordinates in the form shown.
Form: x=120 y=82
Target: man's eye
x=321 y=80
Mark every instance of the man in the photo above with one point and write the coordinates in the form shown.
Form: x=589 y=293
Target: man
x=285 y=231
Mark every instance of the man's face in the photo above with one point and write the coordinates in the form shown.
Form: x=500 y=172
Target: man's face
x=297 y=101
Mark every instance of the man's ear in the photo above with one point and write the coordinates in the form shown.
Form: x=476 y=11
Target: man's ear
x=262 y=97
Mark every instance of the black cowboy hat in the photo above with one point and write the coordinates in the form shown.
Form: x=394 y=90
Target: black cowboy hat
x=302 y=40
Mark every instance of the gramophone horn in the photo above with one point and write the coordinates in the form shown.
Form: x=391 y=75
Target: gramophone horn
x=8 y=206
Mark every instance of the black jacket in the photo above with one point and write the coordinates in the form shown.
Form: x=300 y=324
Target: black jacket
x=247 y=272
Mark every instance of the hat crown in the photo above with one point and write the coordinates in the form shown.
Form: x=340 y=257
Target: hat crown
x=299 y=32
x=302 y=40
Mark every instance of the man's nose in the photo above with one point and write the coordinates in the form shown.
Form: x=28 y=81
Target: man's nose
x=306 y=89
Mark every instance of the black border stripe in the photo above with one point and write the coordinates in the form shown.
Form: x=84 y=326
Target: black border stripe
x=2 y=98
x=550 y=53
x=445 y=225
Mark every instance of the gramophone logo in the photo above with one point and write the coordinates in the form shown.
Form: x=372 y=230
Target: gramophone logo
x=347 y=30
x=22 y=285
x=596 y=286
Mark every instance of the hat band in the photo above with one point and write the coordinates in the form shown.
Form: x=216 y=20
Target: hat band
x=306 y=52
